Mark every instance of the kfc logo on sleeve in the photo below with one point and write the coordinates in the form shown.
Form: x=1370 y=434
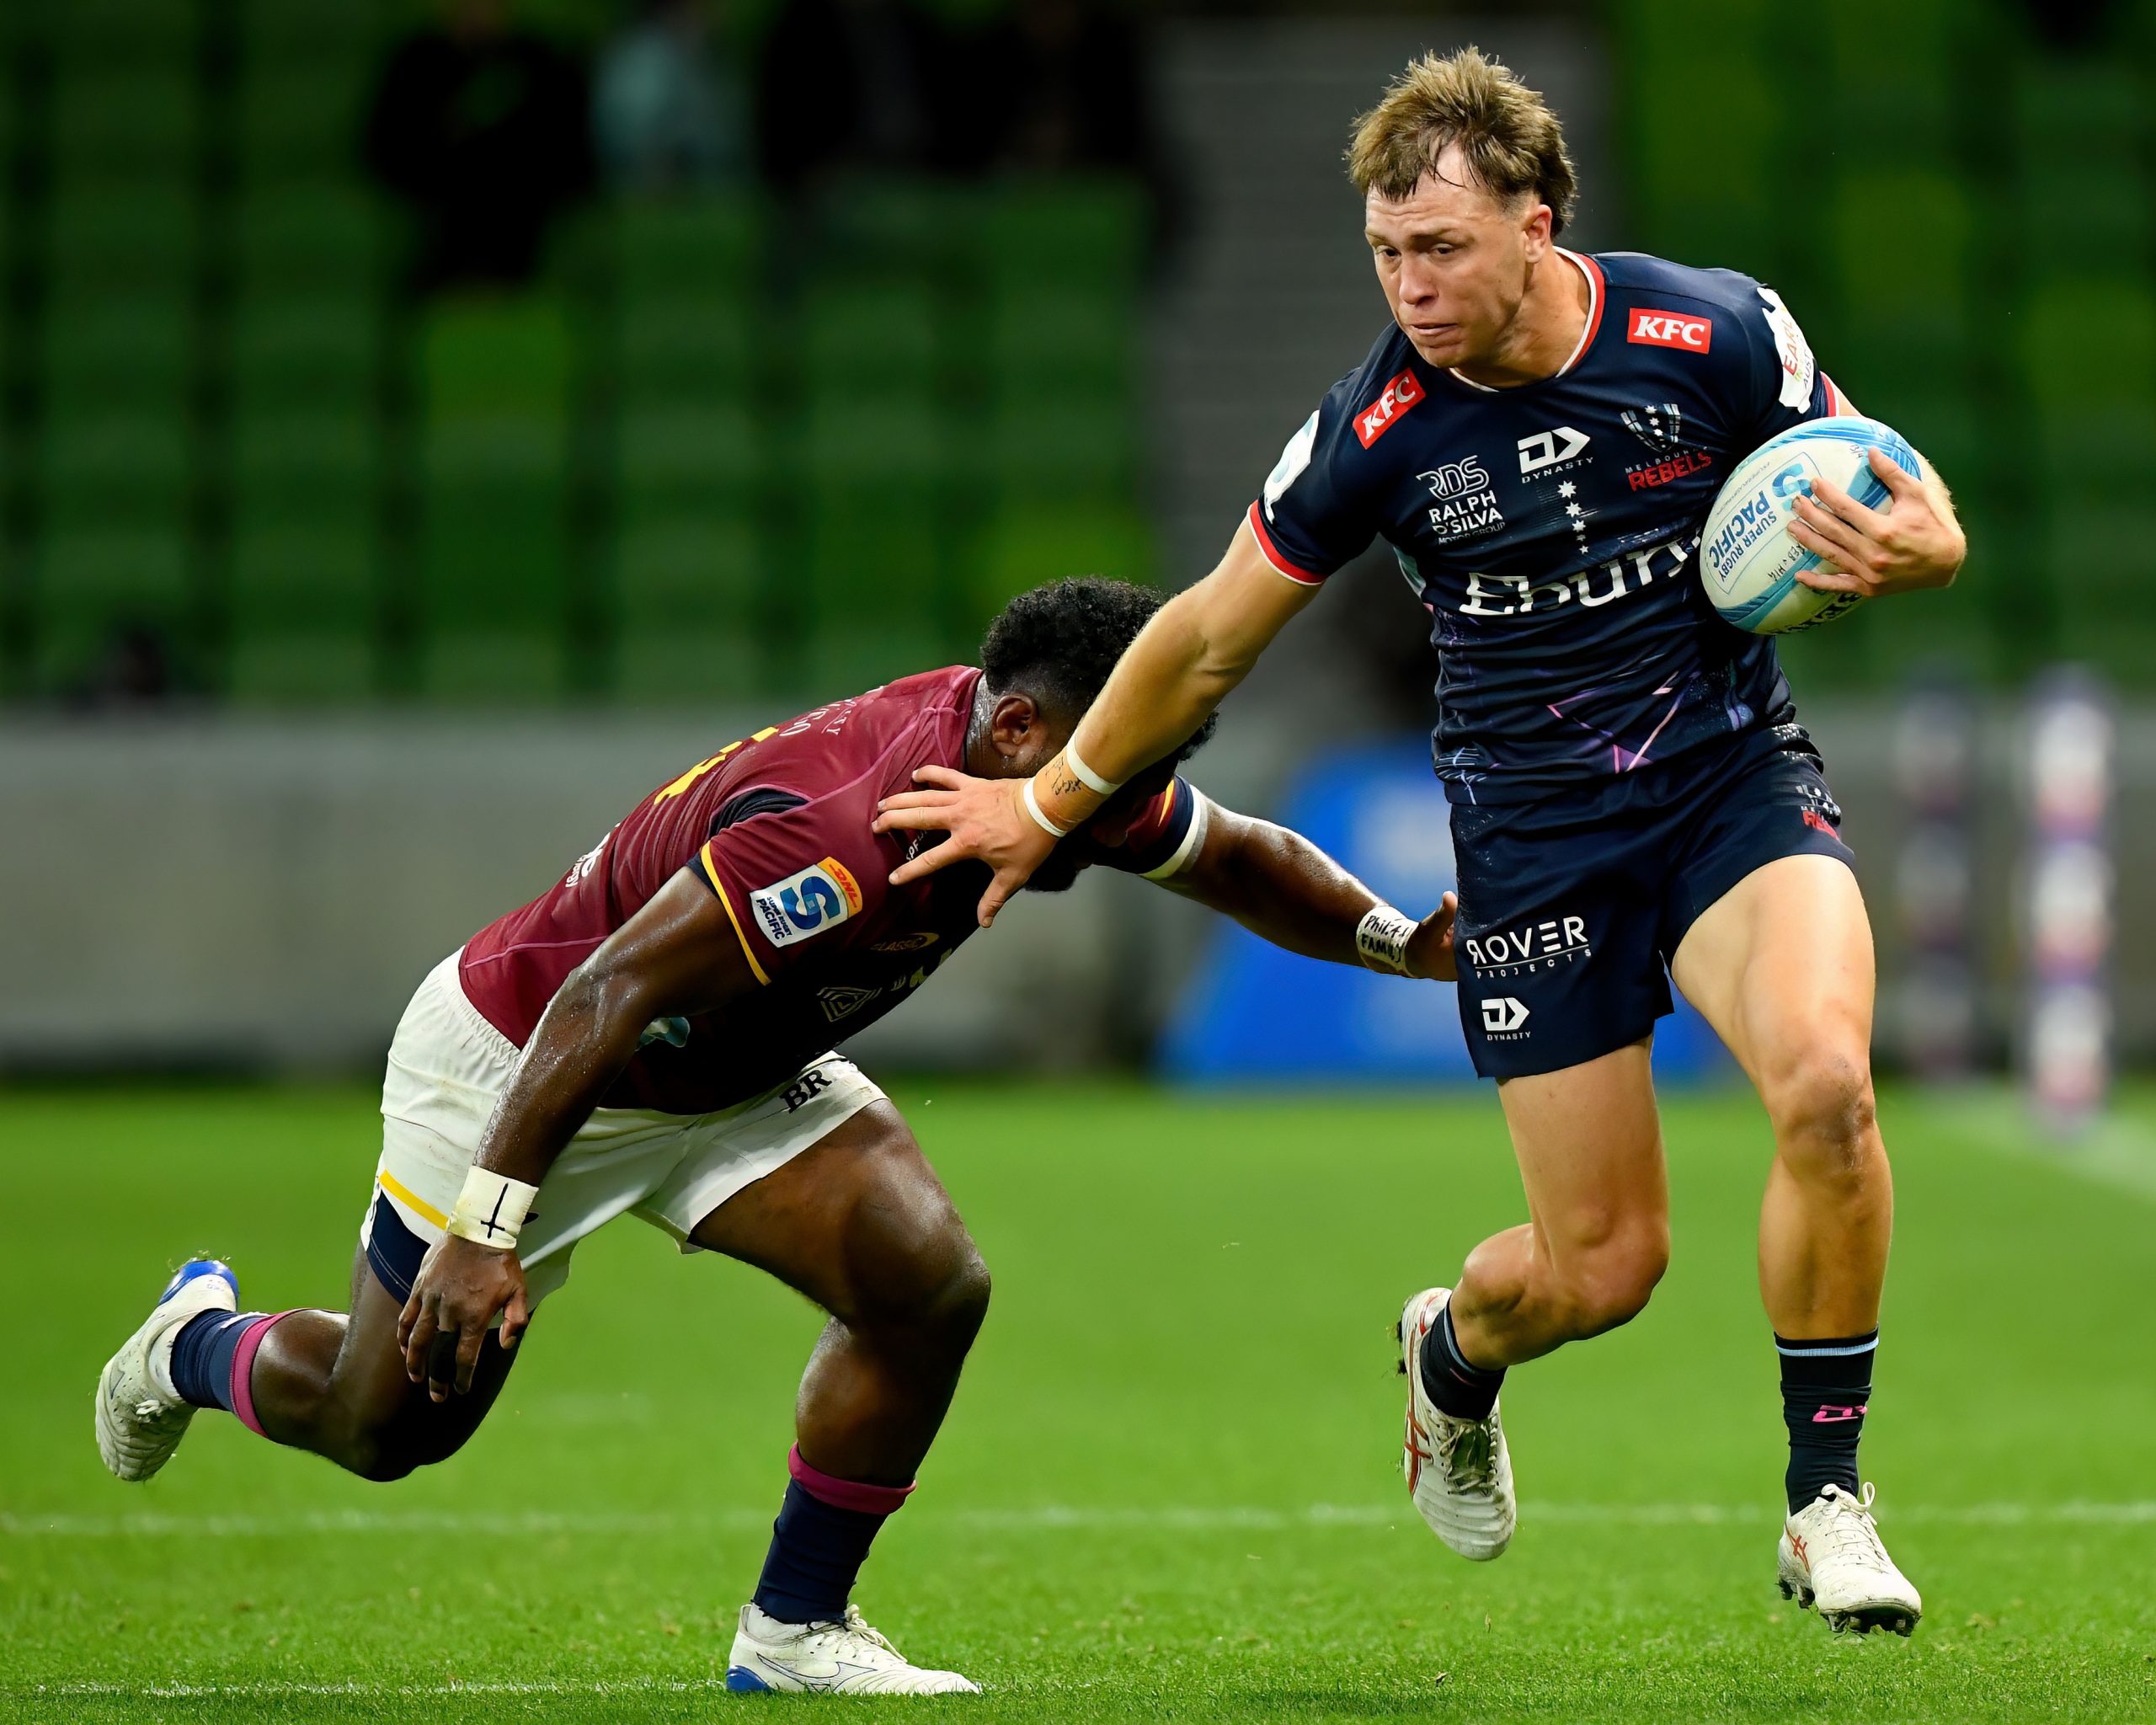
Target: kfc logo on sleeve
x=1694 y=335
x=1381 y=415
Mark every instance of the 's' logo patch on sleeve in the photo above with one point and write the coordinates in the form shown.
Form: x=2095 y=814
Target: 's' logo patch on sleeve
x=804 y=905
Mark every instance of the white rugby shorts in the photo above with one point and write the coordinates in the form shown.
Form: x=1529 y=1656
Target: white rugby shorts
x=448 y=1065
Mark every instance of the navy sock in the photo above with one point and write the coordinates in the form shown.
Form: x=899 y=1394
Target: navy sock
x=816 y=1554
x=1826 y=1390
x=202 y=1356
x=1463 y=1390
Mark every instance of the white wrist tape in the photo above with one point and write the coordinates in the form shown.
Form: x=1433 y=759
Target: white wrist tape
x=1091 y=780
x=491 y=1209
x=1033 y=808
x=1381 y=938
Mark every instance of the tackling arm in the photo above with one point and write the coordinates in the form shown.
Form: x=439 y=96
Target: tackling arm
x=1197 y=648
x=1280 y=885
x=676 y=956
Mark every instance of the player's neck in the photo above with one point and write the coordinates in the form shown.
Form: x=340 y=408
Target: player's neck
x=1546 y=331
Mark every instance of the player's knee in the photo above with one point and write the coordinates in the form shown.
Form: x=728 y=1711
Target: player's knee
x=1612 y=1284
x=917 y=1272
x=1821 y=1105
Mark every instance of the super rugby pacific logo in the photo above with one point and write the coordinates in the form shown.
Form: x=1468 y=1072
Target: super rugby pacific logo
x=1381 y=415
x=805 y=904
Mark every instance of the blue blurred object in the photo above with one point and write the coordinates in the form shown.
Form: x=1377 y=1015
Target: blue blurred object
x=1253 y=1013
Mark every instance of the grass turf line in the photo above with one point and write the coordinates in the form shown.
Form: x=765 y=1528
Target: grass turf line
x=1187 y=1353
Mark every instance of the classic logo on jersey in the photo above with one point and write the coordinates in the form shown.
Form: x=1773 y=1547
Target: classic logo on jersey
x=1551 y=449
x=1381 y=415
x=1677 y=329
x=1522 y=951
x=906 y=943
x=1661 y=429
x=1465 y=508
x=805 y=904
x=1792 y=350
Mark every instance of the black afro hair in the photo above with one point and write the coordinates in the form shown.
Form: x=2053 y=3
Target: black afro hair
x=1058 y=643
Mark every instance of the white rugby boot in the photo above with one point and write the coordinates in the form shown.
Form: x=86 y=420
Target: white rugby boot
x=846 y=1658
x=140 y=1417
x=1831 y=1560
x=1458 y=1470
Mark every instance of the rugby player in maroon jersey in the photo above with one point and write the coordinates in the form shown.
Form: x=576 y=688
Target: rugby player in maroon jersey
x=652 y=1035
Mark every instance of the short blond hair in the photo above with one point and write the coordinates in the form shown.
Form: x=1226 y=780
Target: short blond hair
x=1509 y=138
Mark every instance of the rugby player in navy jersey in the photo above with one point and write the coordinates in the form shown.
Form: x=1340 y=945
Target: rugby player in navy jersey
x=1538 y=435
x=651 y=1034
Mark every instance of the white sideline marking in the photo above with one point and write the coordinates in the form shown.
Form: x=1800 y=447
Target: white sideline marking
x=2115 y=1151
x=1043 y=1518
x=372 y=1691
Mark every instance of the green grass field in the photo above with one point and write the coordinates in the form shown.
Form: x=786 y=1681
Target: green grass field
x=1170 y=1487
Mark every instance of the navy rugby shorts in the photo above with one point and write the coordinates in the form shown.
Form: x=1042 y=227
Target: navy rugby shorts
x=1572 y=906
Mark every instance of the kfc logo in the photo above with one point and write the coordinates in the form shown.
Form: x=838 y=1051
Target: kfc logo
x=1695 y=335
x=1381 y=415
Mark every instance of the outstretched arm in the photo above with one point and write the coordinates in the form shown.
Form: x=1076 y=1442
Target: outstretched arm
x=1197 y=647
x=678 y=955
x=1280 y=885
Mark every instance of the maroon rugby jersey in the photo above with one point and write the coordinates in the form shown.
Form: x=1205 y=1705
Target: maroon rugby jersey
x=777 y=826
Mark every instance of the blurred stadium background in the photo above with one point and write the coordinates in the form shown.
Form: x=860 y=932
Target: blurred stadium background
x=419 y=428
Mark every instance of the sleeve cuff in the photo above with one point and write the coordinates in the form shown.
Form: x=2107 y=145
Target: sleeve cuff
x=1301 y=577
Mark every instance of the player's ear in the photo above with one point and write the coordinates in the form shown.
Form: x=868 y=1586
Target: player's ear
x=1013 y=721
x=1539 y=230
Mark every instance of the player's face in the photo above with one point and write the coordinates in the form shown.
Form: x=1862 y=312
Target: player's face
x=1454 y=262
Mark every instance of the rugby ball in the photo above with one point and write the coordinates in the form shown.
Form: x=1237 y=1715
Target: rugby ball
x=1748 y=563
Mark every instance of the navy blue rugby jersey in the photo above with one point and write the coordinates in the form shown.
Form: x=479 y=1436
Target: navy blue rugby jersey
x=1552 y=530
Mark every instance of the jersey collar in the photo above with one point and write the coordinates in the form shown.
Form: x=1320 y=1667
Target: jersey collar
x=1597 y=293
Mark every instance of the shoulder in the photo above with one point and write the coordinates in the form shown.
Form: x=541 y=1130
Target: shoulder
x=1738 y=322
x=1630 y=274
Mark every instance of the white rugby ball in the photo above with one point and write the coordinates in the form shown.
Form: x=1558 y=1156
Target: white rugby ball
x=1748 y=562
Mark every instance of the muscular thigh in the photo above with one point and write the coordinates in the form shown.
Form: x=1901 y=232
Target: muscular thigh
x=1781 y=965
x=1589 y=1147
x=859 y=1219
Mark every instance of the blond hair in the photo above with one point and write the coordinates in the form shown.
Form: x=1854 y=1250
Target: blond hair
x=1511 y=142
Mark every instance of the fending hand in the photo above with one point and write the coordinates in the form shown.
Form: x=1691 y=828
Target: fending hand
x=985 y=823
x=1430 y=947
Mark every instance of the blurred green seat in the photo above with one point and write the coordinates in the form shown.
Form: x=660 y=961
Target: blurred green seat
x=281 y=668
x=303 y=457
x=318 y=236
x=1048 y=447
x=1060 y=340
x=877 y=339
x=1024 y=544
x=315 y=348
x=125 y=239
x=1062 y=233
x=689 y=346
x=687 y=249
x=493 y=667
x=844 y=443
x=302 y=118
x=694 y=450
x=113 y=465
x=114 y=349
x=2064 y=321
x=688 y=595
x=280 y=31
x=92 y=582
x=121 y=124
x=2097 y=556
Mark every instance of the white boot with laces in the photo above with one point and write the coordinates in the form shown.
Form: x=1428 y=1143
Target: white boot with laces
x=1458 y=1470
x=842 y=1657
x=1832 y=1560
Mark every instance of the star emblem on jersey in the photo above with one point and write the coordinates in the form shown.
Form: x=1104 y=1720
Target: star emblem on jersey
x=1660 y=428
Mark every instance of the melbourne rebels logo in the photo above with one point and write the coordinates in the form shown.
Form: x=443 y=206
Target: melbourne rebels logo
x=1661 y=429
x=1464 y=509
